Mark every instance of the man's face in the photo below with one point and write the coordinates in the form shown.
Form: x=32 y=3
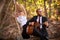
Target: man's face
x=39 y=13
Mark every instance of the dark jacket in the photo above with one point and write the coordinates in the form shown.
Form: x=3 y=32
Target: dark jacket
x=42 y=32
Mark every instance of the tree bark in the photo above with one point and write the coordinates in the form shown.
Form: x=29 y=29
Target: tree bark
x=9 y=27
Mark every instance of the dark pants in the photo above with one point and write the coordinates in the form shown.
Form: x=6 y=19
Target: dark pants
x=40 y=34
x=43 y=38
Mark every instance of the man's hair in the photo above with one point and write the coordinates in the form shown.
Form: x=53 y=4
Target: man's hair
x=38 y=10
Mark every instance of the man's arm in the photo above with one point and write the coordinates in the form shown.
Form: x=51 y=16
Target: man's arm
x=46 y=22
x=29 y=22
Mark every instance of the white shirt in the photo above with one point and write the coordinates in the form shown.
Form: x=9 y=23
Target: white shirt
x=40 y=21
x=22 y=20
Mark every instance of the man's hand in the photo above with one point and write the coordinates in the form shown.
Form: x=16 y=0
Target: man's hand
x=31 y=23
x=46 y=23
x=37 y=24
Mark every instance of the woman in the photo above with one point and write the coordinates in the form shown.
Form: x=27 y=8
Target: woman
x=21 y=18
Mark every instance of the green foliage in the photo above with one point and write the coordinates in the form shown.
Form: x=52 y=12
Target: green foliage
x=32 y=5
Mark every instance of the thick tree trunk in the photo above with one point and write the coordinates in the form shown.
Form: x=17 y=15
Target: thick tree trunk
x=8 y=26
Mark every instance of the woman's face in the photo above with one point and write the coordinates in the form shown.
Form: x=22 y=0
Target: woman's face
x=21 y=13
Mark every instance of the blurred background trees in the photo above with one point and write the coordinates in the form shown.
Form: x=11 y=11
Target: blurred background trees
x=48 y=7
